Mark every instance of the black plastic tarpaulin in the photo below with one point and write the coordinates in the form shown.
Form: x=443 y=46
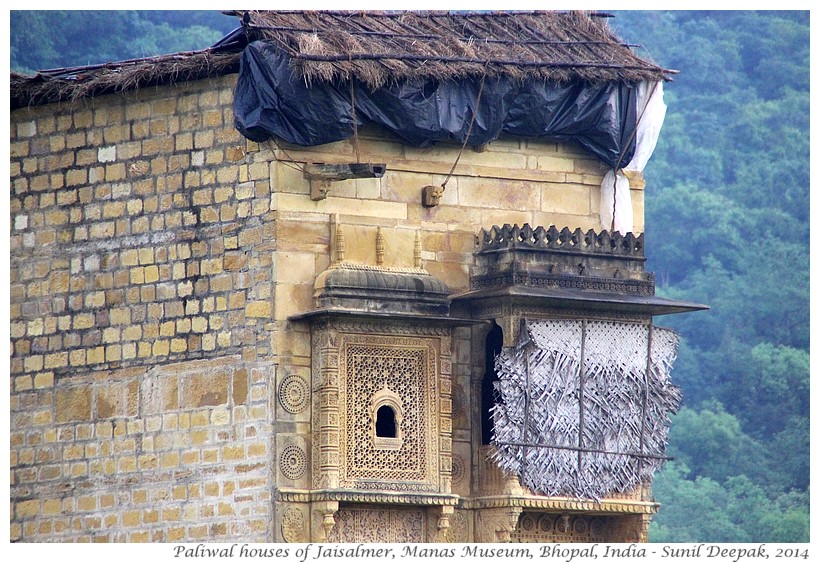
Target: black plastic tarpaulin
x=272 y=101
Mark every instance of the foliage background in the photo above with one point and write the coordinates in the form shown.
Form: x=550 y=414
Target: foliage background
x=727 y=215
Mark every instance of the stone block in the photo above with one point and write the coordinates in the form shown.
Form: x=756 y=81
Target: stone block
x=107 y=154
x=258 y=309
x=572 y=199
x=73 y=404
x=240 y=386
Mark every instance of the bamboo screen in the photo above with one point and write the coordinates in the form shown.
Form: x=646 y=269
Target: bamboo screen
x=612 y=439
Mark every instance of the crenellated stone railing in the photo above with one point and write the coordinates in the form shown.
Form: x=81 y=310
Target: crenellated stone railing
x=577 y=241
x=549 y=257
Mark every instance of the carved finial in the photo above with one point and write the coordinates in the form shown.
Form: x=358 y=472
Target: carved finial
x=417 y=251
x=340 y=241
x=379 y=247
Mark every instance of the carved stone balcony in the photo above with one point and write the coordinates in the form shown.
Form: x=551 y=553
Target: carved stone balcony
x=564 y=269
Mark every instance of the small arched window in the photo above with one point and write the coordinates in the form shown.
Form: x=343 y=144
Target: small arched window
x=385 y=422
x=387 y=410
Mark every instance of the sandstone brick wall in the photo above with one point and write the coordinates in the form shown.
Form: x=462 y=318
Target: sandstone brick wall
x=156 y=256
x=140 y=285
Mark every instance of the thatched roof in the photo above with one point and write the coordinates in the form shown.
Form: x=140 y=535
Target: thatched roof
x=376 y=48
x=379 y=47
x=80 y=82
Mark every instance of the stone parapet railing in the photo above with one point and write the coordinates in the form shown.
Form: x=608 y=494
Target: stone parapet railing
x=577 y=241
x=553 y=258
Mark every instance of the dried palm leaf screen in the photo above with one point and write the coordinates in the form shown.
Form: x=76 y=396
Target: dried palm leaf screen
x=583 y=407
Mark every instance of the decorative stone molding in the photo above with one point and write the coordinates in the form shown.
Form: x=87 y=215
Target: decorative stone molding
x=360 y=287
x=371 y=497
x=575 y=242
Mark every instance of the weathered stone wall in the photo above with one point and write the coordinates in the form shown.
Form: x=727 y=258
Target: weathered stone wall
x=140 y=285
x=156 y=257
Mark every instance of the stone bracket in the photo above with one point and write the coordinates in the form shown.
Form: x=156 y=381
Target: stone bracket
x=324 y=518
x=321 y=175
x=431 y=195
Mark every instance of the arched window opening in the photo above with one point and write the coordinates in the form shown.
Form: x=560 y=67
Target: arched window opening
x=492 y=347
x=386 y=422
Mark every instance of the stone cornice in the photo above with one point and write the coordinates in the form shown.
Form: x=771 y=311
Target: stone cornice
x=563 y=504
x=370 y=497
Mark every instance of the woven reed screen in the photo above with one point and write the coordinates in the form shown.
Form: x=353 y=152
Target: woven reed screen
x=582 y=407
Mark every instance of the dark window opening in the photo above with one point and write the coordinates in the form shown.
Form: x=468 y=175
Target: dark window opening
x=385 y=422
x=492 y=347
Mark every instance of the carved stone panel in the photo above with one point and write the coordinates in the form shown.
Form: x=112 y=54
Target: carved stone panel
x=459 y=527
x=294 y=525
x=399 y=371
x=535 y=527
x=367 y=524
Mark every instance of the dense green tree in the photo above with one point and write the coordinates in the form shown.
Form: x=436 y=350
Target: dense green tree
x=727 y=225
x=53 y=39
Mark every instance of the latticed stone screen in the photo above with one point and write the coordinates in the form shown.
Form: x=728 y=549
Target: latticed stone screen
x=404 y=369
x=401 y=371
x=583 y=406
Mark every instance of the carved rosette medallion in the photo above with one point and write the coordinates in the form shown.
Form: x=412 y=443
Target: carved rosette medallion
x=293 y=462
x=458 y=469
x=293 y=525
x=294 y=394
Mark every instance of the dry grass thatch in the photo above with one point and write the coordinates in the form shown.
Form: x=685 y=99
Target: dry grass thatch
x=380 y=47
x=377 y=48
x=608 y=442
x=81 y=82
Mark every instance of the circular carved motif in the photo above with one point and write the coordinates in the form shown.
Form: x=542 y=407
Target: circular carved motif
x=596 y=527
x=545 y=523
x=458 y=469
x=293 y=462
x=527 y=523
x=293 y=525
x=579 y=526
x=293 y=394
x=458 y=402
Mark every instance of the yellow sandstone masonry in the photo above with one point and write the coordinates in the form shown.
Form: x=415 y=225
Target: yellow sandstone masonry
x=156 y=257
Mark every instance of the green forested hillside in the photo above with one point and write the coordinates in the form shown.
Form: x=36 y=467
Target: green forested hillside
x=727 y=221
x=727 y=215
x=46 y=39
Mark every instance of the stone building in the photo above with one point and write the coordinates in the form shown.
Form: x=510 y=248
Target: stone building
x=314 y=329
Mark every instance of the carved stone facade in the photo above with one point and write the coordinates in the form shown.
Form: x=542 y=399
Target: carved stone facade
x=396 y=387
x=202 y=351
